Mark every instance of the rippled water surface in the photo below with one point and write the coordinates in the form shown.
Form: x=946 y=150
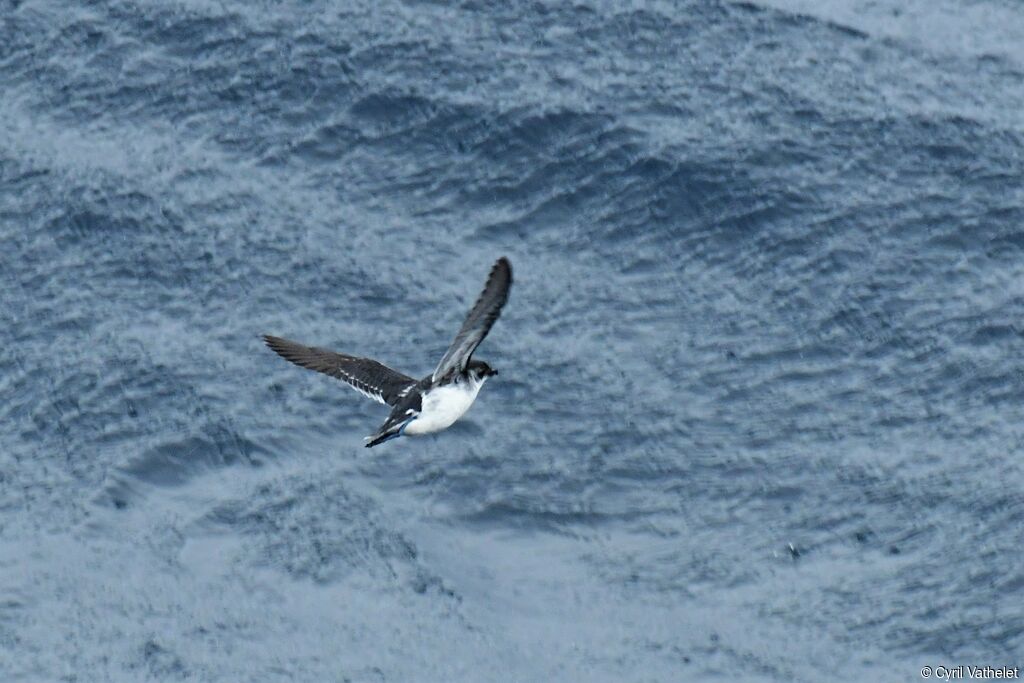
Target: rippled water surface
x=759 y=412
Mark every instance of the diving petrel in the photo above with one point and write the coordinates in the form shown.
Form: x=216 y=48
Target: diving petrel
x=434 y=402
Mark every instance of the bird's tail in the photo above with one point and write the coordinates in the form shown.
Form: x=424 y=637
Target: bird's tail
x=389 y=432
x=372 y=441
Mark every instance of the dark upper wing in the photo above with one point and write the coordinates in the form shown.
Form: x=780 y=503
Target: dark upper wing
x=366 y=376
x=479 y=321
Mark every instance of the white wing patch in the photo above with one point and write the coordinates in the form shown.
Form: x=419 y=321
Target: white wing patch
x=363 y=388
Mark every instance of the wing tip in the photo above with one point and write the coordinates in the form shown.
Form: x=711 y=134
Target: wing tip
x=276 y=344
x=504 y=264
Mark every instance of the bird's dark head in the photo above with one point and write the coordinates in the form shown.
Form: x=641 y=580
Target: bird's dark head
x=480 y=370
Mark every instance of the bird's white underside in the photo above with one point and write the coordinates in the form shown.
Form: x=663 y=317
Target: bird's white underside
x=442 y=406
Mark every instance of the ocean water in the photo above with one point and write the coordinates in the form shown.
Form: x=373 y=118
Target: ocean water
x=759 y=415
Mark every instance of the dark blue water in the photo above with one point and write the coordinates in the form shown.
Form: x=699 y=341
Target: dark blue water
x=759 y=414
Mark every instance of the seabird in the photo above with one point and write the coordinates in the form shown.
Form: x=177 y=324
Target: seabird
x=434 y=402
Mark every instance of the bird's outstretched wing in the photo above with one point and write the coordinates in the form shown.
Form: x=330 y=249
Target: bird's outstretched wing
x=479 y=321
x=366 y=376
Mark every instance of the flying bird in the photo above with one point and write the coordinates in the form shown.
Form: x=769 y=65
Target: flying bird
x=434 y=402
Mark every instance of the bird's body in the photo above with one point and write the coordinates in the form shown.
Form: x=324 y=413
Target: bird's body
x=443 y=405
x=434 y=402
